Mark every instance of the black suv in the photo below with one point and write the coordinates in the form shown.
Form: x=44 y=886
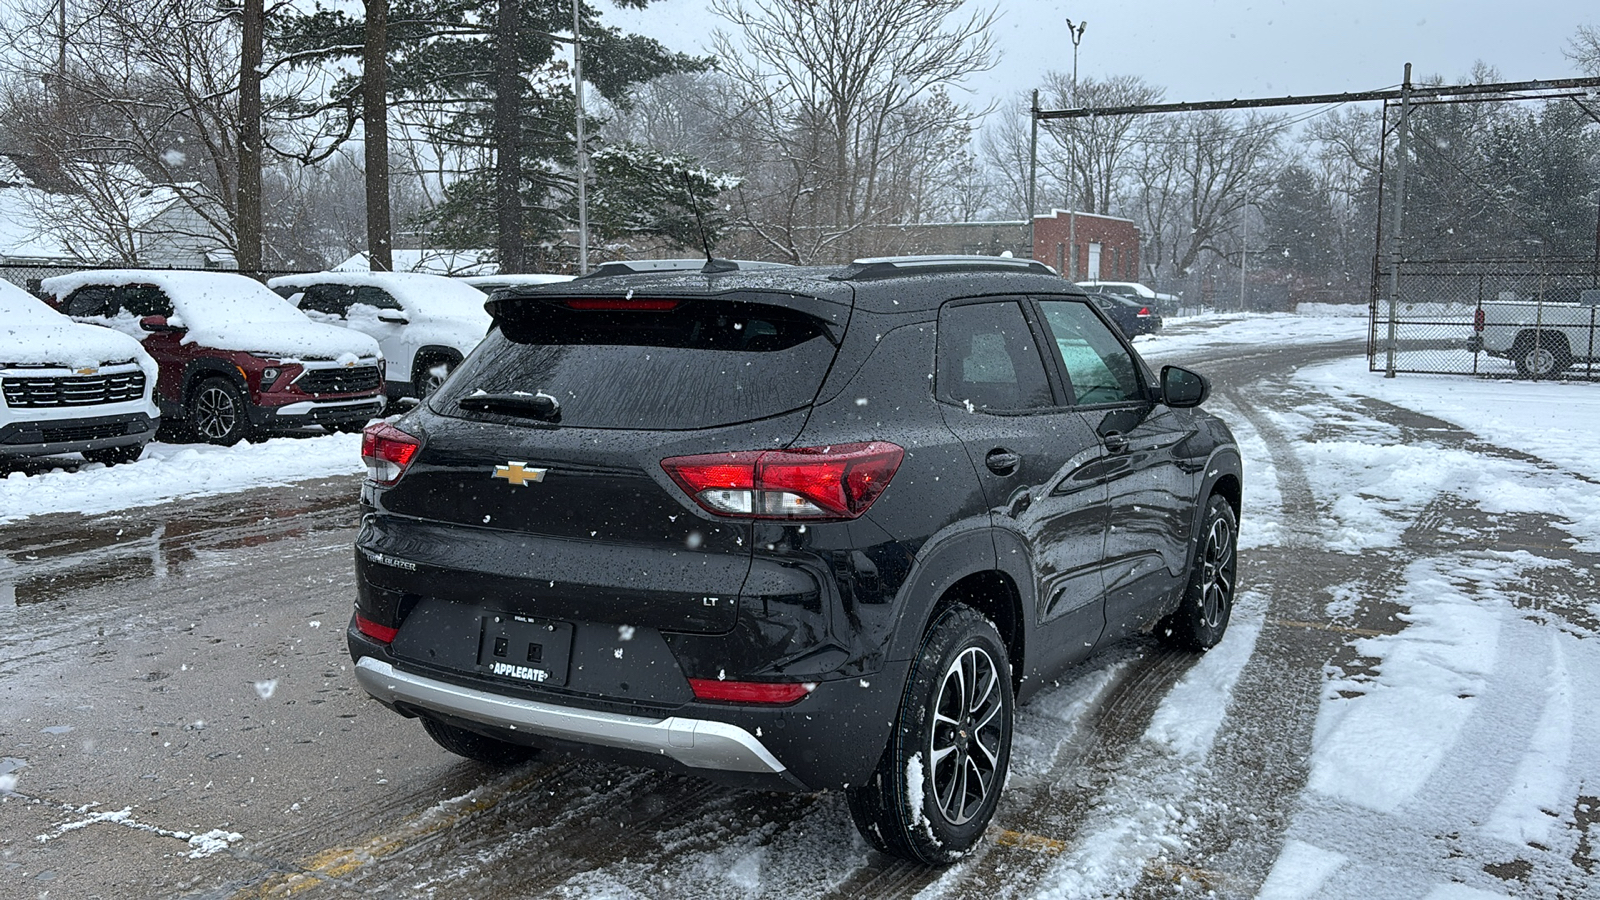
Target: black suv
x=796 y=529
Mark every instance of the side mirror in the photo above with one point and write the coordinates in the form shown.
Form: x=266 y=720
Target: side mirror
x=1182 y=389
x=393 y=318
x=159 y=324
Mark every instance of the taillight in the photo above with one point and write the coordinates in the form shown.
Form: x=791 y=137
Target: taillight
x=748 y=691
x=1144 y=312
x=836 y=482
x=1477 y=320
x=387 y=451
x=381 y=633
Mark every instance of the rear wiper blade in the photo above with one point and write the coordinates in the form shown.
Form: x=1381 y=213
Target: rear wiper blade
x=539 y=405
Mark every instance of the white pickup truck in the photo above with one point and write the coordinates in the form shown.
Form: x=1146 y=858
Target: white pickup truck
x=1541 y=339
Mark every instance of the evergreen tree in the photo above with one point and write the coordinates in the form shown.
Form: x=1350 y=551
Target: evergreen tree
x=494 y=79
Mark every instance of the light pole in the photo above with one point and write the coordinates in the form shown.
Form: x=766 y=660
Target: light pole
x=1076 y=33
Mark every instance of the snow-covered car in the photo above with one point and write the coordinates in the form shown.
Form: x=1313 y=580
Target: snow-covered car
x=70 y=388
x=426 y=324
x=235 y=358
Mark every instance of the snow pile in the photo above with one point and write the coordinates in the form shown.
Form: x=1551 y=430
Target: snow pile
x=172 y=472
x=231 y=312
x=31 y=333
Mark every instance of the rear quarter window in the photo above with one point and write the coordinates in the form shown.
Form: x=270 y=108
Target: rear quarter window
x=701 y=364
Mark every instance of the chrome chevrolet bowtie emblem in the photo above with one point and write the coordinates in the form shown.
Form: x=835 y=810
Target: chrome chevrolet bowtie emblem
x=519 y=473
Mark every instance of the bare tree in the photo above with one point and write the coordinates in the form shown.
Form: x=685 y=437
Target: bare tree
x=834 y=94
x=1585 y=49
x=1198 y=175
x=1095 y=154
x=155 y=85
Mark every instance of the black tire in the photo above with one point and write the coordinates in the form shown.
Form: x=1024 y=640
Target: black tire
x=1546 y=357
x=950 y=747
x=217 y=414
x=430 y=372
x=476 y=747
x=113 y=456
x=1202 y=617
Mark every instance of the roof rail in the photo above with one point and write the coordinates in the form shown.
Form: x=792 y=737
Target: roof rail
x=888 y=266
x=645 y=266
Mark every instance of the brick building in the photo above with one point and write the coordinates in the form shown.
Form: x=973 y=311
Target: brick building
x=1107 y=247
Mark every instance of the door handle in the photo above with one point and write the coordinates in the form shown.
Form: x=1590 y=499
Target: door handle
x=1115 y=441
x=1002 y=462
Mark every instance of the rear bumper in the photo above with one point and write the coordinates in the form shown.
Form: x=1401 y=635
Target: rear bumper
x=693 y=743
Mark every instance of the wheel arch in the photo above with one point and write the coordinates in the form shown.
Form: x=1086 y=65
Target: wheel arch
x=200 y=369
x=1224 y=477
x=428 y=354
x=965 y=571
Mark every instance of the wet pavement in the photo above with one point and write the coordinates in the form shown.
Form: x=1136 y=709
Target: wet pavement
x=179 y=716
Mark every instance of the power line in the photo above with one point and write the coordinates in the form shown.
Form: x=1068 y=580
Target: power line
x=1462 y=90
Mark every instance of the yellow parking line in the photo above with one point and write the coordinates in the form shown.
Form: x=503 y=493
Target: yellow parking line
x=1031 y=842
x=339 y=862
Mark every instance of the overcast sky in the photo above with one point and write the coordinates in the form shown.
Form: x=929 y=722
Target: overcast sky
x=1227 y=49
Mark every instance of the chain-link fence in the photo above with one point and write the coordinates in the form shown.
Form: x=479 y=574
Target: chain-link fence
x=1516 y=318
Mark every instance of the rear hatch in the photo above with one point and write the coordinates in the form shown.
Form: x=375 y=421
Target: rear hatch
x=540 y=480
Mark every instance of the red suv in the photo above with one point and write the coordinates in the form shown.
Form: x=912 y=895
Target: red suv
x=235 y=358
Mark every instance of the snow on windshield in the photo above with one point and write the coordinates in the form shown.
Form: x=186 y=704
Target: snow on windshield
x=233 y=312
x=33 y=334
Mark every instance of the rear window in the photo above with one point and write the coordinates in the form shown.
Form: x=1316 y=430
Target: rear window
x=700 y=364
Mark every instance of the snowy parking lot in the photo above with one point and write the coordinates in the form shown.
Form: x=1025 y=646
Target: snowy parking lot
x=1398 y=709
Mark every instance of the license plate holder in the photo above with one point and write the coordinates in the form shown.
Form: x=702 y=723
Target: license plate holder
x=525 y=650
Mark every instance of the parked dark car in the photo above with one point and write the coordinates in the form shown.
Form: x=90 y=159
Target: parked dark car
x=795 y=529
x=1133 y=317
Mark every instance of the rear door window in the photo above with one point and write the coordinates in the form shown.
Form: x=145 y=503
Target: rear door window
x=988 y=359
x=699 y=364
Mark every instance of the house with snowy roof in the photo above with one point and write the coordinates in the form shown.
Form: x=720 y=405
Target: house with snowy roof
x=81 y=213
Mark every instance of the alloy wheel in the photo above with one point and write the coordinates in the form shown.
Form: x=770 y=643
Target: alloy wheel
x=1217 y=575
x=215 y=413
x=966 y=735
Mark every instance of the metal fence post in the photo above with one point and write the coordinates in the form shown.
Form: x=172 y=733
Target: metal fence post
x=1399 y=213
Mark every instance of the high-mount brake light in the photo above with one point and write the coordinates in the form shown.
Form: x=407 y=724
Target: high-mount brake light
x=387 y=451
x=749 y=691
x=840 y=481
x=623 y=304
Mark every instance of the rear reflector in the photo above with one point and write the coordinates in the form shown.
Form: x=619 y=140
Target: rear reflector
x=1477 y=320
x=371 y=629
x=387 y=451
x=627 y=304
x=835 y=482
x=748 y=691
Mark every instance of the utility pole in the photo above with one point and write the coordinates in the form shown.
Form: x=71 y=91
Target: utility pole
x=1033 y=174
x=1076 y=33
x=1399 y=218
x=583 y=150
